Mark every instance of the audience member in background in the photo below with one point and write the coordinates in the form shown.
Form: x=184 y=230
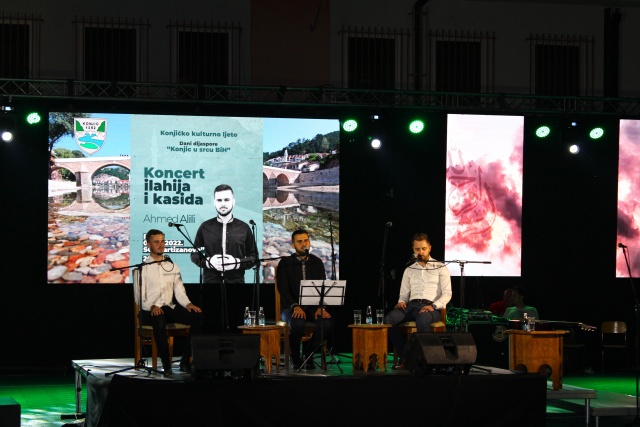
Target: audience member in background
x=498 y=307
x=518 y=308
x=425 y=288
x=161 y=283
x=291 y=270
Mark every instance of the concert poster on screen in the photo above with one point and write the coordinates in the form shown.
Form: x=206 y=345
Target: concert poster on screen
x=115 y=176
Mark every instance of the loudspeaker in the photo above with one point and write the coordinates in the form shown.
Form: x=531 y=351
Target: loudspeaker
x=231 y=356
x=10 y=411
x=439 y=353
x=492 y=343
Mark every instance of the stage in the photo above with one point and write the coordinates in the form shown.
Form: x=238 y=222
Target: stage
x=484 y=396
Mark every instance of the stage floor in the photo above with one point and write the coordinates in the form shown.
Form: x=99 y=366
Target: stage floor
x=116 y=390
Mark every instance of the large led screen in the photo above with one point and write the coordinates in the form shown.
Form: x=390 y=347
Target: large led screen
x=484 y=194
x=628 y=196
x=115 y=176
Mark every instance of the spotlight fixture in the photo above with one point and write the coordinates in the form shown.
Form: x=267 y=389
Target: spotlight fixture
x=376 y=143
x=7 y=122
x=416 y=126
x=33 y=118
x=596 y=133
x=574 y=148
x=349 y=125
x=543 y=131
x=6 y=136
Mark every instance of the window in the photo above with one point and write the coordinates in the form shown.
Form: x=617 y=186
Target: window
x=375 y=59
x=112 y=50
x=205 y=54
x=561 y=65
x=19 y=46
x=460 y=62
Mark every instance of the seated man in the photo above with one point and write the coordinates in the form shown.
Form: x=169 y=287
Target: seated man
x=425 y=288
x=161 y=282
x=291 y=270
x=519 y=308
x=498 y=307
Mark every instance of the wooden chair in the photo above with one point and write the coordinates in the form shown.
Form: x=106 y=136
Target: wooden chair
x=143 y=335
x=408 y=328
x=308 y=330
x=613 y=336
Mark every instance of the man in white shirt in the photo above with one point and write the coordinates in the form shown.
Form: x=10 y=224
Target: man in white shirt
x=425 y=289
x=161 y=282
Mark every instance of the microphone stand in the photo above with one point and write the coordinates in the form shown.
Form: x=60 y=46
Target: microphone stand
x=333 y=277
x=381 y=287
x=462 y=264
x=636 y=421
x=333 y=252
x=256 y=273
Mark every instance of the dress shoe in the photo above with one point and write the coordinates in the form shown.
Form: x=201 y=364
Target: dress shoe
x=185 y=365
x=310 y=364
x=295 y=361
x=166 y=367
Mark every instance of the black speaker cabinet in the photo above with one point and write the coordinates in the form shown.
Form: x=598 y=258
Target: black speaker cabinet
x=440 y=353
x=228 y=356
x=492 y=343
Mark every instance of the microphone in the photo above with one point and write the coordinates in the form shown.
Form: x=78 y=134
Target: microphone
x=166 y=258
x=388 y=224
x=173 y=224
x=620 y=245
x=251 y=222
x=413 y=259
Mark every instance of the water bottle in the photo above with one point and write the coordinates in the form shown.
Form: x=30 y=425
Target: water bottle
x=525 y=322
x=369 y=316
x=246 y=316
x=261 y=319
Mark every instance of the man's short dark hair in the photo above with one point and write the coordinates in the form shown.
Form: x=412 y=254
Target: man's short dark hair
x=419 y=237
x=151 y=233
x=223 y=187
x=298 y=231
x=520 y=290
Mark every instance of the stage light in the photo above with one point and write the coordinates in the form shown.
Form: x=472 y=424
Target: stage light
x=574 y=148
x=376 y=143
x=349 y=125
x=416 y=126
x=596 y=133
x=7 y=124
x=33 y=118
x=7 y=136
x=543 y=131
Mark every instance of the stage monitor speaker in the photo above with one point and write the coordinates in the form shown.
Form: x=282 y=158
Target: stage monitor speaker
x=492 y=343
x=440 y=353
x=228 y=356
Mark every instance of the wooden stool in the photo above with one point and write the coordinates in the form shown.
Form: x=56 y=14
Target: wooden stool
x=537 y=351
x=269 y=342
x=370 y=342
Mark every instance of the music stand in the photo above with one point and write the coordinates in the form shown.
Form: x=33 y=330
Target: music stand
x=321 y=293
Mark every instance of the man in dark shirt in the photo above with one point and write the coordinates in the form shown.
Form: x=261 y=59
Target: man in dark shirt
x=291 y=270
x=226 y=245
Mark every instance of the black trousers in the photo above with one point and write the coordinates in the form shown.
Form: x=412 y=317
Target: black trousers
x=179 y=314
